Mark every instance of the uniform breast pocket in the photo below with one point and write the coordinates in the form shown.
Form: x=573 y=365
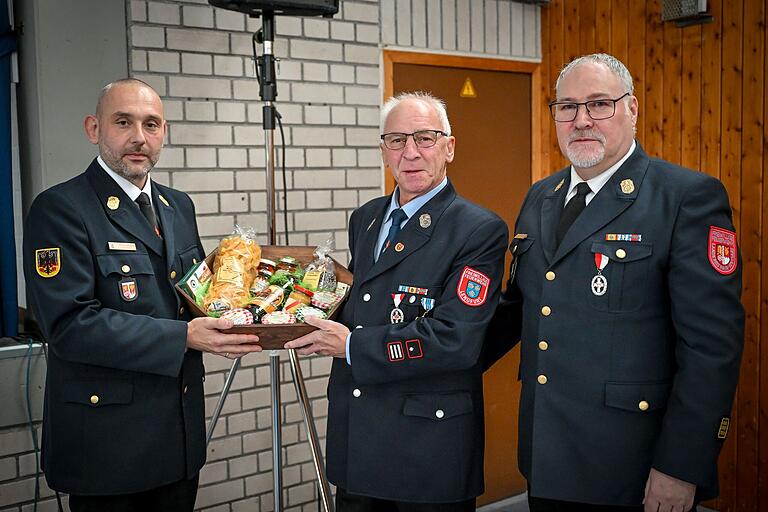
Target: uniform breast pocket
x=126 y=278
x=624 y=280
x=415 y=301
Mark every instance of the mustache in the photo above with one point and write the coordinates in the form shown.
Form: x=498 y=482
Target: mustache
x=586 y=134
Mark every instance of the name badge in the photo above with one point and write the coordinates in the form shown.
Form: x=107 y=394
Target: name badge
x=122 y=246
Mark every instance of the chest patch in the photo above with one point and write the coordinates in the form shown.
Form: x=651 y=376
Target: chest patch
x=722 y=250
x=473 y=287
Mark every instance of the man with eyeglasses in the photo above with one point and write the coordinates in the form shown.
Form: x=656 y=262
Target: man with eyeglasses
x=624 y=288
x=405 y=398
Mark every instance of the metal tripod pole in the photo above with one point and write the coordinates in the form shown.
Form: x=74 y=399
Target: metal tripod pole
x=268 y=92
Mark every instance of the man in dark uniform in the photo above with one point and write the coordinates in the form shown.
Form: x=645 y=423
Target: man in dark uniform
x=405 y=398
x=123 y=423
x=627 y=283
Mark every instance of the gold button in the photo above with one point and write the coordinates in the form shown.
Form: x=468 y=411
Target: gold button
x=194 y=261
x=94 y=399
x=542 y=379
x=181 y=310
x=173 y=274
x=643 y=405
x=550 y=276
x=125 y=269
x=546 y=311
x=543 y=345
x=621 y=254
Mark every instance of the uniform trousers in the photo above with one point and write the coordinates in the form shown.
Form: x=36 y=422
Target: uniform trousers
x=346 y=502
x=547 y=505
x=176 y=497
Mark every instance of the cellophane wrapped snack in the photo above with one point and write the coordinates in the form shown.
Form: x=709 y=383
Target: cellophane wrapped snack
x=234 y=268
x=320 y=275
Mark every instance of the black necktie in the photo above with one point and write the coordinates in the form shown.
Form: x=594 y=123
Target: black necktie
x=572 y=210
x=397 y=216
x=146 y=209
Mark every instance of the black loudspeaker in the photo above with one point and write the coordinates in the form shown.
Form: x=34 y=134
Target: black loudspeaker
x=280 y=7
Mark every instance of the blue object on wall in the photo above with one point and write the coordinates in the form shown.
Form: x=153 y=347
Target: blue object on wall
x=8 y=281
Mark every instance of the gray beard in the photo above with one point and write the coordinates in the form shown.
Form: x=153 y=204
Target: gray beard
x=116 y=164
x=584 y=162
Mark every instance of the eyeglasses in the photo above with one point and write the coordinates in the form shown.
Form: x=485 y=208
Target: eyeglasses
x=422 y=138
x=566 y=112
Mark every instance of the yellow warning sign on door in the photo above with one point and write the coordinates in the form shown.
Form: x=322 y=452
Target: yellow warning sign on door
x=468 y=90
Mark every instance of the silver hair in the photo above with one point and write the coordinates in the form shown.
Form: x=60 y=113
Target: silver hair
x=612 y=63
x=433 y=101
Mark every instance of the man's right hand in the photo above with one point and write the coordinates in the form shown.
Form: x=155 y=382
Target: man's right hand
x=204 y=334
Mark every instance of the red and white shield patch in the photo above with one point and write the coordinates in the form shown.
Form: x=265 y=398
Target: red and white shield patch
x=723 y=255
x=473 y=287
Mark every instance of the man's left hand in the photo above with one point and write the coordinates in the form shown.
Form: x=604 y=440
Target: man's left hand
x=664 y=493
x=330 y=339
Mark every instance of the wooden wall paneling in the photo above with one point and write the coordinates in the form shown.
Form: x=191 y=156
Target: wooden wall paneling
x=571 y=30
x=586 y=27
x=636 y=57
x=671 y=93
x=751 y=200
x=619 y=28
x=762 y=432
x=544 y=96
x=711 y=50
x=557 y=57
x=603 y=32
x=691 y=97
x=653 y=110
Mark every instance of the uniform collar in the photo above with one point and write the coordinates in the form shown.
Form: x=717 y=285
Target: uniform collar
x=414 y=204
x=131 y=190
x=596 y=183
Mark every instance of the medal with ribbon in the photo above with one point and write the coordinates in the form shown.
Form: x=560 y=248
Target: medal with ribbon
x=396 y=316
x=427 y=304
x=599 y=282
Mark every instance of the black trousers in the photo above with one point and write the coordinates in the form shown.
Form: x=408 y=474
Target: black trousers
x=547 y=505
x=176 y=497
x=346 y=502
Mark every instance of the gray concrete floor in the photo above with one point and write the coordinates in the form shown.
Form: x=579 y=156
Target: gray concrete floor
x=519 y=503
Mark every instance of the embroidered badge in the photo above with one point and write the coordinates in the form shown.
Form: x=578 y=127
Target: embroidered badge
x=128 y=289
x=395 y=351
x=722 y=250
x=413 y=349
x=722 y=432
x=48 y=261
x=473 y=287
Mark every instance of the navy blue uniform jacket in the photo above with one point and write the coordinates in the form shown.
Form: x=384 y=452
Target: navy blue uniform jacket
x=405 y=420
x=124 y=401
x=643 y=375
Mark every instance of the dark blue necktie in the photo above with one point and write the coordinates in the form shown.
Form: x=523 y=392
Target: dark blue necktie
x=572 y=209
x=397 y=216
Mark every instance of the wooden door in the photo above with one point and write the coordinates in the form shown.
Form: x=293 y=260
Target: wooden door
x=492 y=167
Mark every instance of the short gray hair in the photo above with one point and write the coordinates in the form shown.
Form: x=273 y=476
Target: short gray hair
x=612 y=63
x=428 y=98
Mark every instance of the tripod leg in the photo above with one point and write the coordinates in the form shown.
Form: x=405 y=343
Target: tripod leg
x=222 y=397
x=277 y=443
x=309 y=422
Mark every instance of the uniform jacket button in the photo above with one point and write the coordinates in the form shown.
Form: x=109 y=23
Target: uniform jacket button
x=185 y=389
x=173 y=274
x=643 y=405
x=94 y=399
x=125 y=269
x=366 y=297
x=358 y=327
x=439 y=414
x=550 y=276
x=356 y=393
x=542 y=379
x=546 y=310
x=543 y=345
x=181 y=310
x=621 y=254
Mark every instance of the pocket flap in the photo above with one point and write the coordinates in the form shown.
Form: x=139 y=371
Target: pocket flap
x=98 y=393
x=637 y=396
x=628 y=251
x=438 y=407
x=124 y=264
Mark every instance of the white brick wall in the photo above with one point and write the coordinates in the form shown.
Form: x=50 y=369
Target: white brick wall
x=200 y=61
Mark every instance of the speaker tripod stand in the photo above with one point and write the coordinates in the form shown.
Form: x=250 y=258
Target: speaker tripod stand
x=268 y=92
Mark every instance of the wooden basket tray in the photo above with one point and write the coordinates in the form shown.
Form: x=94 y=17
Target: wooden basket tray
x=273 y=337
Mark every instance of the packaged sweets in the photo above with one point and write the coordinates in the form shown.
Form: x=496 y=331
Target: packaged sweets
x=299 y=297
x=233 y=270
x=320 y=275
x=239 y=316
x=325 y=300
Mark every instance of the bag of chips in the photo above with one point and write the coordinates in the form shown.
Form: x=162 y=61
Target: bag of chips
x=234 y=268
x=320 y=275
